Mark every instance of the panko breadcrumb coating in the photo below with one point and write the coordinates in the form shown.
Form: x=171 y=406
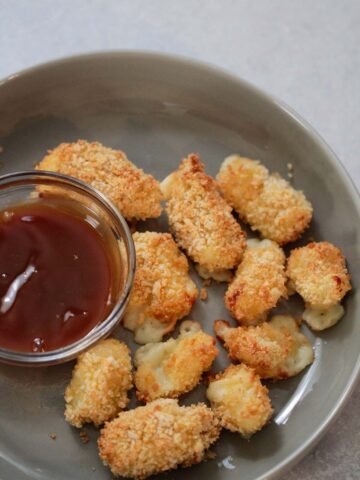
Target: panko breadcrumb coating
x=163 y=291
x=239 y=399
x=137 y=195
x=174 y=367
x=318 y=273
x=275 y=349
x=202 y=221
x=157 y=437
x=99 y=385
x=258 y=284
x=267 y=202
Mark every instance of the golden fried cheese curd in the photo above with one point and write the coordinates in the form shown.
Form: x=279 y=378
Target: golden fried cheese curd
x=202 y=221
x=276 y=349
x=163 y=291
x=239 y=399
x=157 y=437
x=136 y=194
x=100 y=383
x=267 y=202
x=258 y=284
x=174 y=367
x=318 y=273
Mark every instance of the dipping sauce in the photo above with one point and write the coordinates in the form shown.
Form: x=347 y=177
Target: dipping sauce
x=55 y=278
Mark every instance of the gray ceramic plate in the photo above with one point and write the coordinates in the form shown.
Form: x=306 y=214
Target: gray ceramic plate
x=158 y=109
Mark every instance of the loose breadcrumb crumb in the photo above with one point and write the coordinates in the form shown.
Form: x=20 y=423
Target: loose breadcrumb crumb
x=201 y=219
x=52 y=436
x=318 y=273
x=136 y=194
x=267 y=202
x=84 y=437
x=163 y=291
x=258 y=283
x=172 y=368
x=203 y=294
x=275 y=349
x=99 y=384
x=240 y=400
x=157 y=437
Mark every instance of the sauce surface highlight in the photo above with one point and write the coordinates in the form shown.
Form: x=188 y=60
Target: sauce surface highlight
x=55 y=278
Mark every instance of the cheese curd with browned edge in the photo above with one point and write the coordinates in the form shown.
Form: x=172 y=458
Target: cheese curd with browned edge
x=100 y=382
x=239 y=399
x=163 y=291
x=202 y=221
x=157 y=437
x=276 y=349
x=318 y=273
x=136 y=194
x=258 y=284
x=267 y=202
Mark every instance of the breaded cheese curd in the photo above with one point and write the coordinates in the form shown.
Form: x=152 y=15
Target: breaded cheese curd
x=136 y=194
x=174 y=367
x=163 y=291
x=157 y=437
x=267 y=202
x=276 y=349
x=259 y=282
x=202 y=221
x=239 y=399
x=318 y=273
x=100 y=382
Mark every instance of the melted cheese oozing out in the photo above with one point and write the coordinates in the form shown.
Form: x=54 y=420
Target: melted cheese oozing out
x=302 y=353
x=155 y=354
x=290 y=286
x=167 y=184
x=150 y=330
x=320 y=318
x=219 y=275
x=218 y=390
x=256 y=243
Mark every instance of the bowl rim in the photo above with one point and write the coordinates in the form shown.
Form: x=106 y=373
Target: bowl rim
x=103 y=329
x=292 y=115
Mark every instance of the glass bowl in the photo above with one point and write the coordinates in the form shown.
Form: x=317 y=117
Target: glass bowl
x=96 y=209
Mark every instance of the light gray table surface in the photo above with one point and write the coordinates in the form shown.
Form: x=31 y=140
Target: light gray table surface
x=305 y=52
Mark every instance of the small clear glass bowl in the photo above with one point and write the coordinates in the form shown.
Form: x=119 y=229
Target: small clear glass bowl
x=28 y=186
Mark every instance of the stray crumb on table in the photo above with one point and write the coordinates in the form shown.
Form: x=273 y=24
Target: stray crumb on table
x=210 y=455
x=203 y=294
x=84 y=437
x=207 y=282
x=52 y=436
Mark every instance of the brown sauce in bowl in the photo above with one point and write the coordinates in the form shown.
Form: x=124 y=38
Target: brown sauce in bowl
x=55 y=278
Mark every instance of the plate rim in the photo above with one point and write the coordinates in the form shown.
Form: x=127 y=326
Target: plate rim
x=276 y=103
